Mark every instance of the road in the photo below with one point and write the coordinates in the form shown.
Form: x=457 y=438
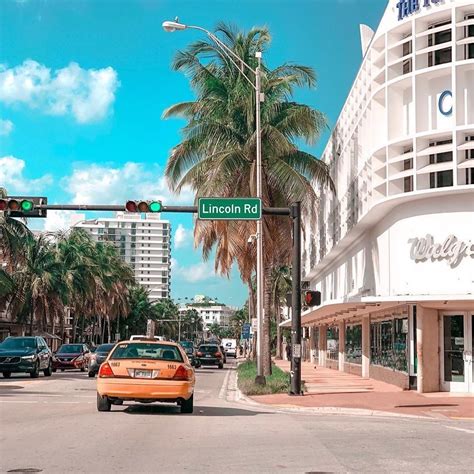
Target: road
x=52 y=425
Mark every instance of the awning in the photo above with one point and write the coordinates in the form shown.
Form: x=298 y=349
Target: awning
x=469 y=145
x=434 y=167
x=469 y=163
x=435 y=149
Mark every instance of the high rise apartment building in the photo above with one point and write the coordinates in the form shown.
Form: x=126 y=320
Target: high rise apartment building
x=143 y=241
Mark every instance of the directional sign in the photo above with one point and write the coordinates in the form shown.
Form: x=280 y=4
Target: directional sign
x=223 y=209
x=246 y=331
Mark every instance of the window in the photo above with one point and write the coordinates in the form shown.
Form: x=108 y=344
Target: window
x=408 y=184
x=353 y=344
x=389 y=343
x=441 y=179
x=440 y=56
x=469 y=33
x=333 y=343
x=407 y=66
x=406 y=48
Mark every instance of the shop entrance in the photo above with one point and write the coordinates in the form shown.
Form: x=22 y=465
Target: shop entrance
x=456 y=352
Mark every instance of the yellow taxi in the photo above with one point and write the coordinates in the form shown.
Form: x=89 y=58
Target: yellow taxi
x=146 y=371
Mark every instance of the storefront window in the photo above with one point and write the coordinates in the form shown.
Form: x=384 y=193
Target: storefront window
x=353 y=344
x=333 y=343
x=389 y=343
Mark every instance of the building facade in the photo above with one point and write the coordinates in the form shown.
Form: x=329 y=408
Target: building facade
x=144 y=242
x=392 y=252
x=211 y=312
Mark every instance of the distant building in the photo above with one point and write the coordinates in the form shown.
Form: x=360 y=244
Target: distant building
x=143 y=241
x=210 y=311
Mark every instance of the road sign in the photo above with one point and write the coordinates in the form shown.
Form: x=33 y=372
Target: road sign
x=246 y=331
x=223 y=209
x=254 y=325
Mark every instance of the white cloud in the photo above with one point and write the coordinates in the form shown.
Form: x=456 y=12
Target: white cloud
x=86 y=94
x=95 y=183
x=6 y=127
x=11 y=177
x=193 y=273
x=181 y=236
x=61 y=220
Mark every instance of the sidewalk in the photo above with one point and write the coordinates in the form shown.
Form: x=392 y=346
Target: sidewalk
x=331 y=388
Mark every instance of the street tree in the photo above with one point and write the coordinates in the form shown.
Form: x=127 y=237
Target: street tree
x=217 y=156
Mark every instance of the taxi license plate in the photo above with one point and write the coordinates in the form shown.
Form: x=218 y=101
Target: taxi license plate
x=143 y=374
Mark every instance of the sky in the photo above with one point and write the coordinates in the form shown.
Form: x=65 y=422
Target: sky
x=83 y=84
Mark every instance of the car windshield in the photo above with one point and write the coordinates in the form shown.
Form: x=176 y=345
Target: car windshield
x=186 y=344
x=151 y=351
x=70 y=349
x=208 y=349
x=105 y=348
x=18 y=343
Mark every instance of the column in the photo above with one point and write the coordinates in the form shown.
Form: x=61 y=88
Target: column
x=342 y=344
x=311 y=344
x=323 y=342
x=427 y=345
x=365 y=346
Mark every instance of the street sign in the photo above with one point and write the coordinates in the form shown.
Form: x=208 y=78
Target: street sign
x=223 y=209
x=254 y=325
x=246 y=331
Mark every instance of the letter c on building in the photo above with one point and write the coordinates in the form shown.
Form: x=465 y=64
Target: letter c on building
x=445 y=103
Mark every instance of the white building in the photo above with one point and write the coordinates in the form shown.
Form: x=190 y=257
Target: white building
x=143 y=241
x=393 y=250
x=210 y=311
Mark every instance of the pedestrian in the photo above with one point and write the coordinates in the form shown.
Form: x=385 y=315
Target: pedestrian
x=288 y=351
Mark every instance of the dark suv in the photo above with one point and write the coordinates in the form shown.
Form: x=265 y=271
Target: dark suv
x=210 y=354
x=25 y=354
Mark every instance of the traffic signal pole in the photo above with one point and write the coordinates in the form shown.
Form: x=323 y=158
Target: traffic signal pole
x=294 y=212
x=295 y=370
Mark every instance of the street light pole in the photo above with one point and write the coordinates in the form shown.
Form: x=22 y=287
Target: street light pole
x=260 y=379
x=240 y=64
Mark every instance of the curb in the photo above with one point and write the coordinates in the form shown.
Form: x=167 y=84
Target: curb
x=243 y=399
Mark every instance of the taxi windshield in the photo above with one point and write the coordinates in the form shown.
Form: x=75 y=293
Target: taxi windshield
x=149 y=351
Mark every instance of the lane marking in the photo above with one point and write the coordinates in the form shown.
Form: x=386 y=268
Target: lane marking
x=465 y=430
x=223 y=389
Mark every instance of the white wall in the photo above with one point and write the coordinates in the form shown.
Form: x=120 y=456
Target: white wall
x=379 y=263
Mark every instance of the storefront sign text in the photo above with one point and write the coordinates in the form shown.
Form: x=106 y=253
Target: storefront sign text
x=408 y=7
x=452 y=249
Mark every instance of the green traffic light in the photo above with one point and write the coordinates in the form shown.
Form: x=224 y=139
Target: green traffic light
x=26 y=206
x=155 y=206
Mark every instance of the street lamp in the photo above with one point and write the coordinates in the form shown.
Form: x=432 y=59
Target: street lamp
x=171 y=26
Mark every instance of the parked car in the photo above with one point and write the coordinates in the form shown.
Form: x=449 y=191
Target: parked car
x=210 y=354
x=25 y=354
x=190 y=350
x=71 y=356
x=99 y=356
x=230 y=347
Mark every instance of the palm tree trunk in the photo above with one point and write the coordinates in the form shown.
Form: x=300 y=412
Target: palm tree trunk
x=108 y=329
x=267 y=305
x=74 y=321
x=32 y=315
x=278 y=328
x=102 y=322
x=93 y=330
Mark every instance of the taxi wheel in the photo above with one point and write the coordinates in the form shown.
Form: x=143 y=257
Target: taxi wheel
x=103 y=403
x=91 y=374
x=187 y=406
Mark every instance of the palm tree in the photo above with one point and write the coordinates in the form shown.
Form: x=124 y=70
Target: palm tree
x=217 y=155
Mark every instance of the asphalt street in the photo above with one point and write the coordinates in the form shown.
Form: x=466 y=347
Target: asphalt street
x=52 y=425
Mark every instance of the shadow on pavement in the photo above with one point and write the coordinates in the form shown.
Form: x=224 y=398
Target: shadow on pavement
x=198 y=411
x=428 y=405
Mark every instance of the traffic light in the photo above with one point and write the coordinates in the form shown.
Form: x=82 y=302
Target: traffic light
x=143 y=206
x=23 y=206
x=312 y=298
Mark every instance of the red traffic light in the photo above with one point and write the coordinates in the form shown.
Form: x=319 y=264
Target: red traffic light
x=131 y=206
x=312 y=298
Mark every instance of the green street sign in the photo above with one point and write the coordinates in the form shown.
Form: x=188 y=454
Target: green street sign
x=224 y=209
